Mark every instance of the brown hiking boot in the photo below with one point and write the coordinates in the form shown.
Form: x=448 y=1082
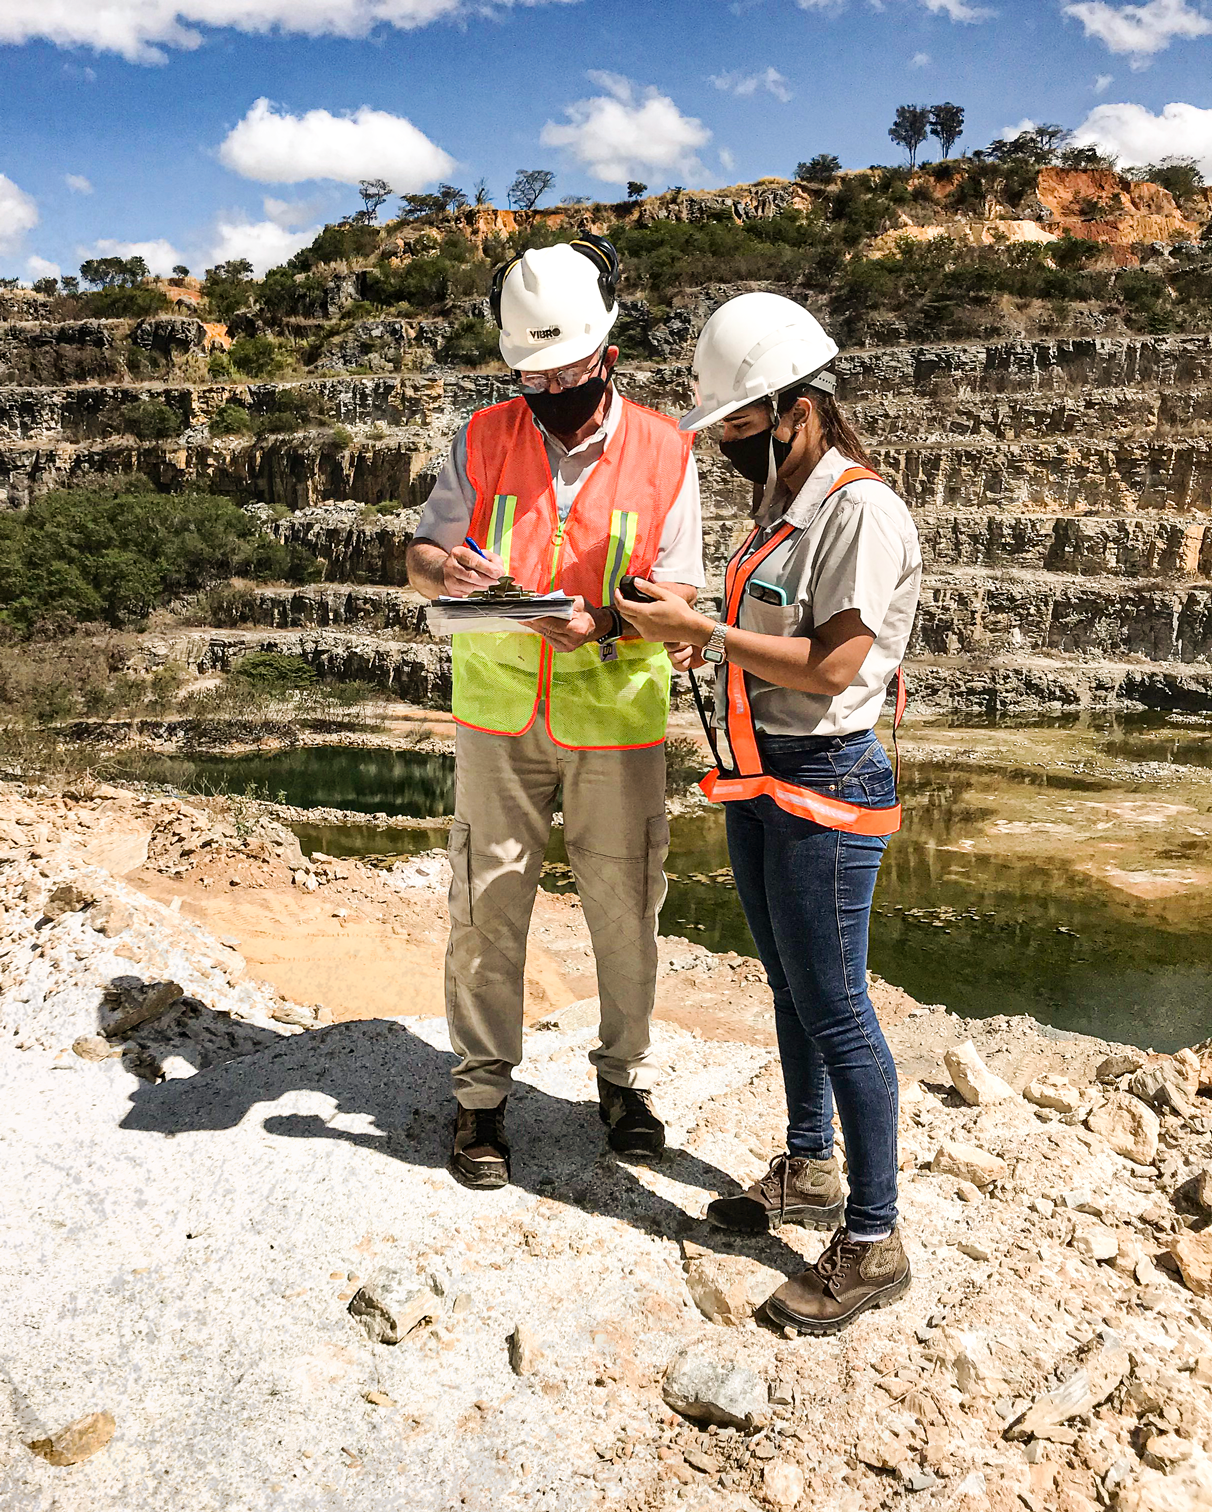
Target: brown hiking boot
x=847 y=1279
x=480 y=1157
x=793 y=1190
x=634 y=1128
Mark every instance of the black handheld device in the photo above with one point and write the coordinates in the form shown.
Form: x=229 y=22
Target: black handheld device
x=629 y=590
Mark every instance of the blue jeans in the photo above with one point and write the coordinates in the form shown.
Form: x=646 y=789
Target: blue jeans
x=806 y=892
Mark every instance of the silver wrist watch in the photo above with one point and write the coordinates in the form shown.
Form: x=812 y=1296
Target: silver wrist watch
x=715 y=650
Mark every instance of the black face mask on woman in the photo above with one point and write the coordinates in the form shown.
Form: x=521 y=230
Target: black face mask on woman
x=751 y=455
x=567 y=410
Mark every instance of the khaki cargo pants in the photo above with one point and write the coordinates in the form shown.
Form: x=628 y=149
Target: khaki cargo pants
x=617 y=838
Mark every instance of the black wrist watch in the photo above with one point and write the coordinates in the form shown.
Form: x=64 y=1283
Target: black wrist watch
x=616 y=626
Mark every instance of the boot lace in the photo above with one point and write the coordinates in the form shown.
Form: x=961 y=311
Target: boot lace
x=488 y=1128
x=774 y=1183
x=837 y=1259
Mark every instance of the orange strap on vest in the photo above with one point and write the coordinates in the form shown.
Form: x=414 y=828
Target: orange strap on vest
x=748 y=780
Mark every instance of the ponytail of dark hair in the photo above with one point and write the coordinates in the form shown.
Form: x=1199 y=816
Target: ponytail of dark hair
x=835 y=428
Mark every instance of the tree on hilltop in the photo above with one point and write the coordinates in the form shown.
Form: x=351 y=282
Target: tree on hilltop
x=1038 y=146
x=636 y=190
x=445 y=197
x=910 y=128
x=947 y=125
x=822 y=169
x=374 y=192
x=529 y=186
x=114 y=272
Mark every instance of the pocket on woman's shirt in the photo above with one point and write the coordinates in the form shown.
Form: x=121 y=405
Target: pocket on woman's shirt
x=770 y=619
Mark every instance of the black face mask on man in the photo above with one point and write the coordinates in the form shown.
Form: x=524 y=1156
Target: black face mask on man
x=567 y=410
x=751 y=455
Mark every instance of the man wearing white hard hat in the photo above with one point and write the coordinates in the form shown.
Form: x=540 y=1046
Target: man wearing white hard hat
x=818 y=608
x=567 y=486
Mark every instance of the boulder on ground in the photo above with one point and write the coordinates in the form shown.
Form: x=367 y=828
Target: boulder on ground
x=80 y=1440
x=1103 y=1368
x=709 y=1386
x=1128 y=1126
x=1194 y=1255
x=969 y=1163
x=972 y=1079
x=1053 y=1091
x=729 y=1289
x=391 y=1306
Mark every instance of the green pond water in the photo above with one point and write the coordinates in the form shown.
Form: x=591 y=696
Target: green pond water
x=985 y=932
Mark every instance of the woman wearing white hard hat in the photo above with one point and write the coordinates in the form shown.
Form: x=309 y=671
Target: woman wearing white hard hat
x=818 y=606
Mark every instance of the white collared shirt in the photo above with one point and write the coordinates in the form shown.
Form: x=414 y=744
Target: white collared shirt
x=858 y=551
x=679 y=559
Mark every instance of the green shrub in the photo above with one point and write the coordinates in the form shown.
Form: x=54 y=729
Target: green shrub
x=152 y=420
x=231 y=420
x=472 y=341
x=342 y=437
x=292 y=412
x=274 y=669
x=256 y=356
x=336 y=244
x=112 y=552
x=117 y=303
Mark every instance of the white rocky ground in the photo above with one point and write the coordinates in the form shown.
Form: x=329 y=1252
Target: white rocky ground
x=208 y=1215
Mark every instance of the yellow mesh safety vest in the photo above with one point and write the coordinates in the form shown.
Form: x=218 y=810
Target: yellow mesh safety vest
x=614 y=527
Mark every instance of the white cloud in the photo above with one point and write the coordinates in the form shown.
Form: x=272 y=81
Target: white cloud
x=77 y=183
x=1135 y=135
x=40 y=267
x=744 y=85
x=18 y=214
x=1008 y=133
x=628 y=131
x=1140 y=30
x=140 y=30
x=957 y=10
x=920 y=60
x=288 y=214
x=264 y=243
x=159 y=255
x=287 y=149
x=727 y=159
x=1103 y=83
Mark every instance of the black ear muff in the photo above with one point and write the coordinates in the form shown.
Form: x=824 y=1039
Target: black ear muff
x=498 y=283
x=601 y=253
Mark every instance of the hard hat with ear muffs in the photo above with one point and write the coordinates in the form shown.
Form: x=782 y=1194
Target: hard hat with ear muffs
x=556 y=305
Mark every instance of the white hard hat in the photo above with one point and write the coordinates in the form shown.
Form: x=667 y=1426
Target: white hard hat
x=552 y=308
x=753 y=346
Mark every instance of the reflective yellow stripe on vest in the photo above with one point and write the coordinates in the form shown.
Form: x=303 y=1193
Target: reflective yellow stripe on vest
x=618 y=553
x=500 y=525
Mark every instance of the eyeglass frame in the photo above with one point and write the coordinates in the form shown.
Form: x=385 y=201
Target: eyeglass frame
x=580 y=375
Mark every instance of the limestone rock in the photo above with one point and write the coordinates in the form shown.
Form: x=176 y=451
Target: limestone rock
x=1095 y=1241
x=524 y=1352
x=1184 y=1490
x=1202 y=1190
x=1165 y=1085
x=708 y=1386
x=729 y=1289
x=1194 y=1255
x=969 y=1163
x=1122 y=1063
x=783 y=1483
x=391 y=1306
x=1053 y=1091
x=1100 y=1373
x=68 y=897
x=972 y=1079
x=1163 y=1450
x=92 y=1047
x=131 y=1002
x=1128 y=1126
x=80 y=1440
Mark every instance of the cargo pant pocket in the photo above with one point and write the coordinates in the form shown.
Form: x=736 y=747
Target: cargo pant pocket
x=459 y=852
x=654 y=876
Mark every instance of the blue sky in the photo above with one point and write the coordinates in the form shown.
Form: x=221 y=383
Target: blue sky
x=135 y=123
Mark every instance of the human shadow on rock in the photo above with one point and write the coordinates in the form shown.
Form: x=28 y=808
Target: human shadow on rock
x=396 y=1088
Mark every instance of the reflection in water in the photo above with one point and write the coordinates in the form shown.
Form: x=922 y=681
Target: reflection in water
x=344 y=777
x=1010 y=926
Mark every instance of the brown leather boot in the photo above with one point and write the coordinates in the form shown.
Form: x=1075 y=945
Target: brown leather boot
x=480 y=1157
x=846 y=1280
x=793 y=1190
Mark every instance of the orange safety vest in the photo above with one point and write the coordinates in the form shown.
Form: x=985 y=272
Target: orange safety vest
x=748 y=780
x=614 y=527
